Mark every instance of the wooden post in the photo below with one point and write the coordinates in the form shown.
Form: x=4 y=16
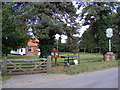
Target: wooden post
x=4 y=67
x=78 y=58
x=49 y=63
x=0 y=68
x=55 y=61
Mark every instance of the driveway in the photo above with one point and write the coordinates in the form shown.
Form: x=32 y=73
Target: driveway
x=98 y=79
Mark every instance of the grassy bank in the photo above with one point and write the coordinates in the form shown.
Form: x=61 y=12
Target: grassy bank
x=87 y=67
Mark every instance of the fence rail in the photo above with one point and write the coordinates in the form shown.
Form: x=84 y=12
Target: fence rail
x=92 y=60
x=25 y=66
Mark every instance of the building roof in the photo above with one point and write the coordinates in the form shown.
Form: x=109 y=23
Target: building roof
x=33 y=42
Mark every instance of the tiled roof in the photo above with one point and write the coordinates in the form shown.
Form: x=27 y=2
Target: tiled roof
x=33 y=42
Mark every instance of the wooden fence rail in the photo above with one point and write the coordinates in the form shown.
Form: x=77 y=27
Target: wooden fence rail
x=25 y=66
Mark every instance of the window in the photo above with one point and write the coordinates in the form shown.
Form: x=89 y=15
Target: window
x=21 y=50
x=29 y=49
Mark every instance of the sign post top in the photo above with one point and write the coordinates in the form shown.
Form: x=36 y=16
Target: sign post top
x=109 y=32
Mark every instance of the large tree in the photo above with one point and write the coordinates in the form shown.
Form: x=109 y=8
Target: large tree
x=48 y=19
x=13 y=36
x=100 y=16
x=116 y=38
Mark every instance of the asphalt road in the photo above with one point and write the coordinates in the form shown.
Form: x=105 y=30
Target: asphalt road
x=98 y=79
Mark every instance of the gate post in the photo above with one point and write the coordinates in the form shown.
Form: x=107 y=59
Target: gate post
x=4 y=66
x=49 y=63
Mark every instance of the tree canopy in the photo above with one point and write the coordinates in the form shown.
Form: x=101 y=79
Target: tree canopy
x=100 y=16
x=13 y=37
x=46 y=19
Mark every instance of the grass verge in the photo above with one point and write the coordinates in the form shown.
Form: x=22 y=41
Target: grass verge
x=86 y=67
x=5 y=77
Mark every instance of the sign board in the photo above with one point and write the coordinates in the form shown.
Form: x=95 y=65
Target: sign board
x=55 y=54
x=109 y=32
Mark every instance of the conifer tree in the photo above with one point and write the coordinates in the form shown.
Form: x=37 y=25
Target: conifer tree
x=13 y=36
x=46 y=20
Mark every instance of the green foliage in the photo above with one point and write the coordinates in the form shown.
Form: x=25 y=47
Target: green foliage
x=63 y=47
x=116 y=38
x=72 y=41
x=47 y=21
x=73 y=44
x=89 y=40
x=13 y=37
x=45 y=18
x=100 y=16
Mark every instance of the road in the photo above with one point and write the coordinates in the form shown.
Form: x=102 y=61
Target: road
x=98 y=79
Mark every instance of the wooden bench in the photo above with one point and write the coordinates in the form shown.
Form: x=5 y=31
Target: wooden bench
x=69 y=59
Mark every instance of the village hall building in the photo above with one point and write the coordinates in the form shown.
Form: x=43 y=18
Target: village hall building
x=32 y=48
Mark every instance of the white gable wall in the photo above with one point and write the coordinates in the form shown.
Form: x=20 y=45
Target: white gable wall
x=20 y=51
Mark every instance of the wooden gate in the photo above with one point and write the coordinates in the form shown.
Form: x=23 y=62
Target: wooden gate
x=25 y=66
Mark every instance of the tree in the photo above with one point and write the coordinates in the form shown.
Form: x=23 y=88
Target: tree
x=62 y=47
x=48 y=19
x=97 y=15
x=89 y=40
x=12 y=36
x=73 y=44
x=116 y=38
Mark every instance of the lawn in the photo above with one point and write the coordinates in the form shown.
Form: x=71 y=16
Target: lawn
x=83 y=56
x=61 y=54
x=22 y=56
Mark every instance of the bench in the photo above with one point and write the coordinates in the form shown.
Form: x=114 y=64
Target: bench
x=69 y=59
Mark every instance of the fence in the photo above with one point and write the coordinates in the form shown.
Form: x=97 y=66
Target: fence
x=25 y=66
x=87 y=58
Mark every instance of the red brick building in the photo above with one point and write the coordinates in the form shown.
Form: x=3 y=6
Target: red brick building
x=32 y=48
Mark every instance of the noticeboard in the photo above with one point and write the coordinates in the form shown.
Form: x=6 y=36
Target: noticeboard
x=55 y=54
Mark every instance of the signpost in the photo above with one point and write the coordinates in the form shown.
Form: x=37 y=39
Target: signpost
x=109 y=34
x=109 y=55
